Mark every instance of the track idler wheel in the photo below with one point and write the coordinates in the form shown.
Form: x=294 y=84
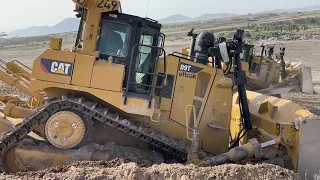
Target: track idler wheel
x=66 y=130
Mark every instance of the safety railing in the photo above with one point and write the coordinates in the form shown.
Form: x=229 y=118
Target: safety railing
x=152 y=85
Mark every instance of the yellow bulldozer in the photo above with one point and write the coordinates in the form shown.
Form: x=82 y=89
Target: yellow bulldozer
x=119 y=85
x=268 y=73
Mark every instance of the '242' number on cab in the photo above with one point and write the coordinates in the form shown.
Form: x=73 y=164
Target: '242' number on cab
x=107 y=5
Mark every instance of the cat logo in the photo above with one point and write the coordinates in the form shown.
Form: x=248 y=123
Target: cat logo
x=56 y=67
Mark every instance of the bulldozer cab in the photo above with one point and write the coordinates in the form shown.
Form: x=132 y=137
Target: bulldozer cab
x=131 y=41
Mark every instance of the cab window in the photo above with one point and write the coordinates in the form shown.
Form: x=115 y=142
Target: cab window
x=114 y=39
x=145 y=61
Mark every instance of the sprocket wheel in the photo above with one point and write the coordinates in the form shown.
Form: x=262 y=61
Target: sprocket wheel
x=66 y=130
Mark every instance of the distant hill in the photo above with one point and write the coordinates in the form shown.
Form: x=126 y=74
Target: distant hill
x=67 y=25
x=213 y=16
x=178 y=18
x=175 y=19
x=71 y=24
x=305 y=9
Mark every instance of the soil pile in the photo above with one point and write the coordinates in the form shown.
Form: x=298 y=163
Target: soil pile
x=47 y=155
x=6 y=90
x=120 y=169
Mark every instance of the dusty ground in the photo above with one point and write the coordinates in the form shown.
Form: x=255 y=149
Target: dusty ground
x=119 y=170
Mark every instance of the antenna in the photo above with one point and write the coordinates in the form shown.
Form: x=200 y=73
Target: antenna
x=147 y=8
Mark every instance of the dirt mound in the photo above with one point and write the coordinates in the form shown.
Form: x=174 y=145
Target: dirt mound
x=6 y=90
x=42 y=155
x=119 y=170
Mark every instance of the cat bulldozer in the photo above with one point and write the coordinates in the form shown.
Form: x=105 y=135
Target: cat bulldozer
x=119 y=85
x=266 y=74
x=273 y=74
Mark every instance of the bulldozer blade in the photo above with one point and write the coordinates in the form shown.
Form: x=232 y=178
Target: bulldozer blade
x=308 y=159
x=306 y=80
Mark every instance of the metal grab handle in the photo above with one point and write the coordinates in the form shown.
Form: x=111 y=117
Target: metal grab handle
x=188 y=120
x=153 y=120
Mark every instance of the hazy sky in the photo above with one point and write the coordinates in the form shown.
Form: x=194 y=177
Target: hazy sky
x=16 y=14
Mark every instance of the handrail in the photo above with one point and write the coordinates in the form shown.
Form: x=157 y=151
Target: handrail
x=3 y=61
x=153 y=87
x=187 y=57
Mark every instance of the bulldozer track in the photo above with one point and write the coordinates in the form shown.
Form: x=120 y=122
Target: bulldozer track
x=167 y=144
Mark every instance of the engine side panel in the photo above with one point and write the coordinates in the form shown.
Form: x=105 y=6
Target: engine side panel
x=186 y=87
x=82 y=70
x=215 y=120
x=210 y=92
x=54 y=66
x=107 y=76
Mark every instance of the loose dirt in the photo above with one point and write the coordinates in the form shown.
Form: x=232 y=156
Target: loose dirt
x=310 y=101
x=120 y=169
x=6 y=90
x=46 y=155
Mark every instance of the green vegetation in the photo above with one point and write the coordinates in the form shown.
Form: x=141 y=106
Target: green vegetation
x=36 y=41
x=286 y=26
x=25 y=40
x=256 y=25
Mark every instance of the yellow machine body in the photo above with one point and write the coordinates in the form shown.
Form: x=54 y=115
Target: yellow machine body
x=188 y=84
x=207 y=89
x=275 y=119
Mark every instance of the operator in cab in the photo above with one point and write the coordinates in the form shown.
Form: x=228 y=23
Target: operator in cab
x=110 y=41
